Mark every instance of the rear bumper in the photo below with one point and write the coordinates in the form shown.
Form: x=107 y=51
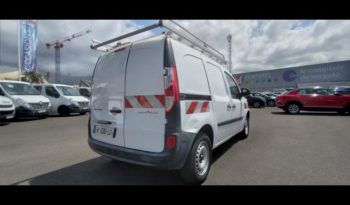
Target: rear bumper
x=77 y=109
x=25 y=112
x=168 y=159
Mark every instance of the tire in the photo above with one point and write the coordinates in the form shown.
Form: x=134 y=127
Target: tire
x=63 y=111
x=42 y=117
x=197 y=165
x=293 y=108
x=245 y=132
x=256 y=104
x=271 y=103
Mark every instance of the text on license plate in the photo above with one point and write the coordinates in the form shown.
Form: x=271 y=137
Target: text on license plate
x=105 y=131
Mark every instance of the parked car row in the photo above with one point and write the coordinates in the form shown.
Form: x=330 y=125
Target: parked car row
x=316 y=99
x=258 y=100
x=22 y=99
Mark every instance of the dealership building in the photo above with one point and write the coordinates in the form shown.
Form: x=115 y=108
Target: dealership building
x=325 y=74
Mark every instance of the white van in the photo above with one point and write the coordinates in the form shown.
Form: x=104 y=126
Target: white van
x=84 y=91
x=159 y=102
x=7 y=109
x=64 y=99
x=28 y=102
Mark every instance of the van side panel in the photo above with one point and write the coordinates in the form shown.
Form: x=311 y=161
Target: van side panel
x=195 y=99
x=144 y=124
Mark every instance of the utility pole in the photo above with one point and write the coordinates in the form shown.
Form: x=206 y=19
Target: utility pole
x=229 y=40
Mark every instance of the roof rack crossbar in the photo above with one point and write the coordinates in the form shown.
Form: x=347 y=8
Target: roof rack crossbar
x=176 y=29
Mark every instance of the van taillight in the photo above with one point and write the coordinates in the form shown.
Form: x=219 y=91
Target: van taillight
x=171 y=88
x=171 y=141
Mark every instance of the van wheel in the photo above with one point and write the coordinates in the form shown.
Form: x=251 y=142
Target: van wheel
x=293 y=108
x=245 y=132
x=197 y=166
x=63 y=110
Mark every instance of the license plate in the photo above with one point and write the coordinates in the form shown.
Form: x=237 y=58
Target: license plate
x=9 y=116
x=105 y=131
x=41 y=111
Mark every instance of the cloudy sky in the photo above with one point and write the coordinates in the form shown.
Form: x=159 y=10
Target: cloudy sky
x=256 y=44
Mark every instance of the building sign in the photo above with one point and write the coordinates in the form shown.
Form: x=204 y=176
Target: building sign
x=28 y=45
x=291 y=77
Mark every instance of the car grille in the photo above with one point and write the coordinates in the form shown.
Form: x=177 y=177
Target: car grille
x=38 y=106
x=6 y=112
x=83 y=104
x=5 y=106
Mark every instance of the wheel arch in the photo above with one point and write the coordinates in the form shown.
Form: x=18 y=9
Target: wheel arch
x=208 y=130
x=295 y=102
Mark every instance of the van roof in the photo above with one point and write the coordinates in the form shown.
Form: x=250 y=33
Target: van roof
x=51 y=84
x=14 y=81
x=158 y=38
x=173 y=28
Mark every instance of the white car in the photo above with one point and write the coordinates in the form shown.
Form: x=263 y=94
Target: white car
x=7 y=109
x=159 y=102
x=28 y=102
x=64 y=99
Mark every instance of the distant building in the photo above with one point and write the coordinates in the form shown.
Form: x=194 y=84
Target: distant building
x=13 y=75
x=325 y=74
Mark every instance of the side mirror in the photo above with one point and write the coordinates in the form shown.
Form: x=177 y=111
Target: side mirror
x=245 y=92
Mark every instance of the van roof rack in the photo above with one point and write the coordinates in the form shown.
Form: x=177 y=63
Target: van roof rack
x=175 y=28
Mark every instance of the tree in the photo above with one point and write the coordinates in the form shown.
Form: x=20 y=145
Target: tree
x=33 y=77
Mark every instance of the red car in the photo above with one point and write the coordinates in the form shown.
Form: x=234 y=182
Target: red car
x=317 y=98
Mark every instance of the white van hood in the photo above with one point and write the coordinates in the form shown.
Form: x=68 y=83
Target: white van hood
x=77 y=98
x=31 y=98
x=5 y=101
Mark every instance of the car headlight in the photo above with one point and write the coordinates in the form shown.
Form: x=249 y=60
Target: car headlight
x=23 y=103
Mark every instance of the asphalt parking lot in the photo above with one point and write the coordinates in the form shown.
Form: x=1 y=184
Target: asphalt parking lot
x=307 y=149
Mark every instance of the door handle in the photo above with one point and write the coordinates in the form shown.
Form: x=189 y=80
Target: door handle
x=228 y=107
x=115 y=110
x=233 y=106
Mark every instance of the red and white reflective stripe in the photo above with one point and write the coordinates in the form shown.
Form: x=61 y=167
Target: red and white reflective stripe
x=144 y=101
x=246 y=106
x=197 y=107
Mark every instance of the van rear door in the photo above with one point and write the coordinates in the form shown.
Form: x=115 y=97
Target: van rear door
x=107 y=98
x=144 y=125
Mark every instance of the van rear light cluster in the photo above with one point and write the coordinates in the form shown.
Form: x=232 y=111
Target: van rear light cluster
x=171 y=141
x=171 y=88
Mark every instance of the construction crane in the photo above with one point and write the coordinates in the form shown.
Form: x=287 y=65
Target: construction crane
x=58 y=44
